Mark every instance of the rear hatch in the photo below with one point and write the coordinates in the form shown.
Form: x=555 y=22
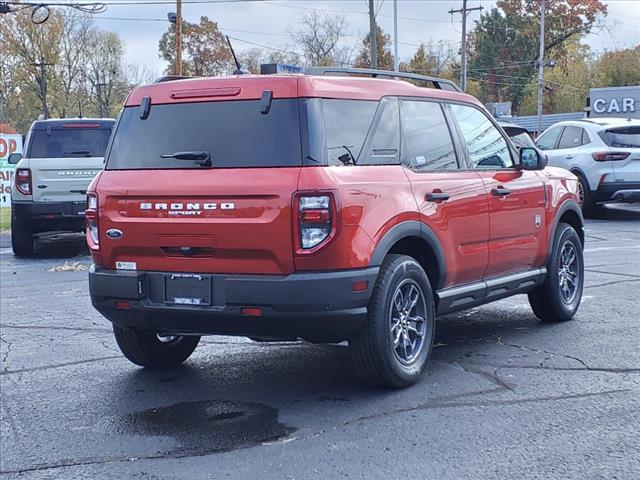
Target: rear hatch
x=64 y=156
x=624 y=141
x=204 y=183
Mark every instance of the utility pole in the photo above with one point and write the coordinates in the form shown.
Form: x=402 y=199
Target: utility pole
x=463 y=51
x=396 y=60
x=372 y=36
x=541 y=67
x=178 y=37
x=103 y=110
x=42 y=80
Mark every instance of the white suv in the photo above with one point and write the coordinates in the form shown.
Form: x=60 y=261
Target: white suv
x=50 y=183
x=604 y=153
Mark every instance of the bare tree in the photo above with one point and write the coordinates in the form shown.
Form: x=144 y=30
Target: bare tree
x=319 y=38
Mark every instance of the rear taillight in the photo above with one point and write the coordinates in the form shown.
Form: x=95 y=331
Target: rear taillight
x=91 y=216
x=315 y=220
x=606 y=156
x=23 y=181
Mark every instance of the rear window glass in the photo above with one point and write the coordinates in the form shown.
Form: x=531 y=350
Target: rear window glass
x=234 y=134
x=346 y=125
x=68 y=142
x=626 y=137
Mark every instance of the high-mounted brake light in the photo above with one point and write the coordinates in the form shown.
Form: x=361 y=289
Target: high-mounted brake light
x=80 y=125
x=91 y=217
x=606 y=156
x=23 y=181
x=315 y=219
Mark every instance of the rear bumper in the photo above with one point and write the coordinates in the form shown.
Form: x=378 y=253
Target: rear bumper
x=41 y=217
x=316 y=306
x=626 y=192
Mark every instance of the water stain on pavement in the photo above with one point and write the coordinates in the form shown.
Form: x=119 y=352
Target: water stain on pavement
x=208 y=426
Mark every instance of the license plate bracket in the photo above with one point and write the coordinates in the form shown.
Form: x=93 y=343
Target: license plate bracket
x=187 y=289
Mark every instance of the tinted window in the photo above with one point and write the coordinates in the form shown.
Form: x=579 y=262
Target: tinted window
x=68 y=142
x=571 y=138
x=585 y=137
x=427 y=140
x=486 y=146
x=384 y=147
x=235 y=134
x=625 y=137
x=548 y=139
x=346 y=125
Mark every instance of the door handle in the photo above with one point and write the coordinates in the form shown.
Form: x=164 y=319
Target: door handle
x=42 y=185
x=569 y=157
x=437 y=197
x=500 y=192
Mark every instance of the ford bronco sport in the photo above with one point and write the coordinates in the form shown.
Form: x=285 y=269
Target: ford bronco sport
x=327 y=208
x=50 y=185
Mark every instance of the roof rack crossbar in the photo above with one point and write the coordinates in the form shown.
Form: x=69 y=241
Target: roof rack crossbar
x=439 y=83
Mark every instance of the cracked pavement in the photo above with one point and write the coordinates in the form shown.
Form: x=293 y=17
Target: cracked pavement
x=504 y=396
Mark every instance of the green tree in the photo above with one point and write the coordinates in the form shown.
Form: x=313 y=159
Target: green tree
x=503 y=47
x=383 y=51
x=205 y=49
x=618 y=68
x=434 y=59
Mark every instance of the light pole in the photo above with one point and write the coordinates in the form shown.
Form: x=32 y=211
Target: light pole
x=541 y=67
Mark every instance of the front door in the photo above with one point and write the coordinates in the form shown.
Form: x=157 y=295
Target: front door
x=516 y=197
x=452 y=202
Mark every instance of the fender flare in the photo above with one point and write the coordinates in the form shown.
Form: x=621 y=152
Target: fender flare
x=411 y=228
x=566 y=206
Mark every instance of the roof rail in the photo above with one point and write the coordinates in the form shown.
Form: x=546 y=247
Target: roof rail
x=439 y=83
x=170 y=78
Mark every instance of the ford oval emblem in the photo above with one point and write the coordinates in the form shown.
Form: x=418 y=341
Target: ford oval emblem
x=114 y=233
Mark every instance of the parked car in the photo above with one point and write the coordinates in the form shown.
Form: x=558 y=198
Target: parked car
x=50 y=182
x=604 y=153
x=518 y=135
x=327 y=208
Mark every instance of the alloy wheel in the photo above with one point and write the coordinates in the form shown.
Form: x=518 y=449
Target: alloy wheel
x=568 y=276
x=407 y=321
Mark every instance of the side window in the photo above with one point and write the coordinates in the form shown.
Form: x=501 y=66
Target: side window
x=384 y=146
x=547 y=141
x=346 y=124
x=427 y=140
x=585 y=137
x=571 y=138
x=486 y=146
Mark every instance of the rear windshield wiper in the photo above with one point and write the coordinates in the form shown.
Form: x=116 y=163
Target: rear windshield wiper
x=201 y=157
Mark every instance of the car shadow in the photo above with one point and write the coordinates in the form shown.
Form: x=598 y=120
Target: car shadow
x=315 y=381
x=617 y=212
x=59 y=245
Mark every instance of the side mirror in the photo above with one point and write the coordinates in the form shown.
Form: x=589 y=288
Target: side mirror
x=532 y=159
x=14 y=158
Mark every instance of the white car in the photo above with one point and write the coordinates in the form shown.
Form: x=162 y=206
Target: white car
x=50 y=183
x=604 y=153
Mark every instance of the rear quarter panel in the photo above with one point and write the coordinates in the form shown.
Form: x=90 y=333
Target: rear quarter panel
x=371 y=200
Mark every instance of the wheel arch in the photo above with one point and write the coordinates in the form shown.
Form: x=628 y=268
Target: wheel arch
x=569 y=212
x=418 y=241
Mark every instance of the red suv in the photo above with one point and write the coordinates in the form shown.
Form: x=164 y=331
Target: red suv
x=327 y=208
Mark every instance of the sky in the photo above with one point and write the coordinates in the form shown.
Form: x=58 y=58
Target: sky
x=266 y=23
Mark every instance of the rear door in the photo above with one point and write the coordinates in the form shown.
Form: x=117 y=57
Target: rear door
x=186 y=215
x=65 y=157
x=451 y=201
x=516 y=197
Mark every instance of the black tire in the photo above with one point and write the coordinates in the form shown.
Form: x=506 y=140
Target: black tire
x=589 y=207
x=21 y=238
x=144 y=348
x=549 y=301
x=376 y=358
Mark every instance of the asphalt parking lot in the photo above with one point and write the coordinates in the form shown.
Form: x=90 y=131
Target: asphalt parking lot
x=504 y=396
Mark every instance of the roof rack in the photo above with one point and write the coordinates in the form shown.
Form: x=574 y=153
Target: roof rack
x=439 y=83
